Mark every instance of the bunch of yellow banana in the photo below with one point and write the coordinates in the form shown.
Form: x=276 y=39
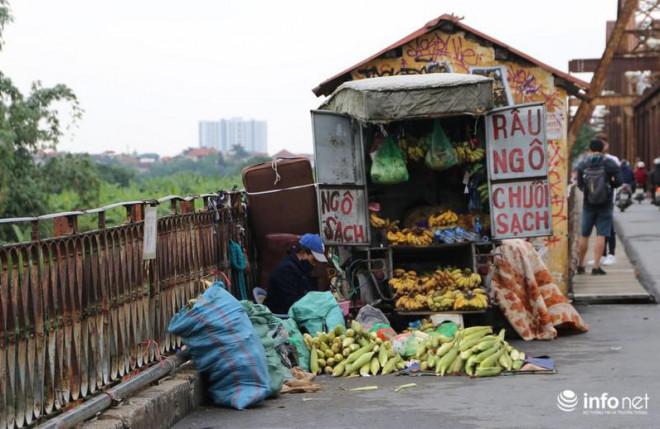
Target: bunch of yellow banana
x=474 y=351
x=444 y=279
x=379 y=222
x=468 y=280
x=396 y=236
x=473 y=300
x=439 y=301
x=413 y=148
x=443 y=219
x=418 y=236
x=403 y=284
x=468 y=155
x=354 y=352
x=411 y=302
x=484 y=193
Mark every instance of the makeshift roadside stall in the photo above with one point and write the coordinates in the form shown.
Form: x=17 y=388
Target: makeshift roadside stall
x=418 y=178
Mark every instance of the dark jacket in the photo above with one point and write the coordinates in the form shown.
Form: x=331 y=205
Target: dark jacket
x=611 y=169
x=628 y=175
x=655 y=177
x=289 y=281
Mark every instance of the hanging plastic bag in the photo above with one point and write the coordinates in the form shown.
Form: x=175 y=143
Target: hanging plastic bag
x=389 y=165
x=441 y=154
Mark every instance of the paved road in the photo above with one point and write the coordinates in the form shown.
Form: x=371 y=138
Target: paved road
x=617 y=357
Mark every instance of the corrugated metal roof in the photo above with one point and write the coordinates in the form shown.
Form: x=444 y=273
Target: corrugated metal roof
x=329 y=85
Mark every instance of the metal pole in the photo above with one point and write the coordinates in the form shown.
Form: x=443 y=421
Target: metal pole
x=104 y=399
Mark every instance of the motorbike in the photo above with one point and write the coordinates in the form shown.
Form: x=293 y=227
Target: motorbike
x=656 y=200
x=639 y=195
x=624 y=197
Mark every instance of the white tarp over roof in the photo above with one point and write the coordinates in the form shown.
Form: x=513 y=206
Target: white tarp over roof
x=393 y=98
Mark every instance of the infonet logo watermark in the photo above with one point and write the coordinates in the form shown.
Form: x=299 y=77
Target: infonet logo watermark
x=603 y=404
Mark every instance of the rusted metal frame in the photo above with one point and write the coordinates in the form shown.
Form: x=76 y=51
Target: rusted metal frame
x=112 y=299
x=91 y=304
x=73 y=318
x=16 y=327
x=130 y=348
x=598 y=81
x=84 y=288
x=37 y=316
x=6 y=395
x=103 y=319
x=116 y=288
x=28 y=352
x=137 y=293
x=51 y=375
x=179 y=276
x=609 y=100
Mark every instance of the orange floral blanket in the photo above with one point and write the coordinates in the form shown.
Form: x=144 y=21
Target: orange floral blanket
x=527 y=294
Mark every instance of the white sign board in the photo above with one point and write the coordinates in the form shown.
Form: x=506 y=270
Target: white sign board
x=521 y=209
x=343 y=216
x=517 y=145
x=517 y=149
x=150 y=232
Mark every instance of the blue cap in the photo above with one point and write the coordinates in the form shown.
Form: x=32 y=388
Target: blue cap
x=315 y=245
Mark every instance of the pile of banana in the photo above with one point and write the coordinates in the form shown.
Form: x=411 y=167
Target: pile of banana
x=466 y=279
x=443 y=219
x=410 y=236
x=440 y=301
x=467 y=155
x=445 y=289
x=475 y=299
x=411 y=302
x=473 y=351
x=354 y=352
x=379 y=222
x=414 y=149
x=484 y=193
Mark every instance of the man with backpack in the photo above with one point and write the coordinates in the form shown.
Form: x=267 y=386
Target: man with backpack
x=597 y=176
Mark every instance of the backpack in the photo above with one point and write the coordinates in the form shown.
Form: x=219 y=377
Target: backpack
x=596 y=185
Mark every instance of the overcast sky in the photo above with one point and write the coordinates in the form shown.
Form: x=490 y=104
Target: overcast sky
x=147 y=71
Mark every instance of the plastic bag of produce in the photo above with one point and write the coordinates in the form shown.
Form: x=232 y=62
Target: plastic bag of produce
x=441 y=154
x=369 y=316
x=296 y=338
x=389 y=164
x=225 y=348
x=317 y=312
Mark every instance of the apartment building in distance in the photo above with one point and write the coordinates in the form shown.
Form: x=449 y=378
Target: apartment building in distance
x=223 y=134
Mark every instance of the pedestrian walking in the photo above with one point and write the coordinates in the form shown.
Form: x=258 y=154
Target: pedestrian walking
x=655 y=179
x=640 y=176
x=609 y=251
x=598 y=176
x=627 y=173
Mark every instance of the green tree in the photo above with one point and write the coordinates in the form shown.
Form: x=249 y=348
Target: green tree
x=585 y=135
x=239 y=152
x=27 y=123
x=76 y=172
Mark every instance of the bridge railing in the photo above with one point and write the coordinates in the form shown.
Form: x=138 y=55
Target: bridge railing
x=81 y=311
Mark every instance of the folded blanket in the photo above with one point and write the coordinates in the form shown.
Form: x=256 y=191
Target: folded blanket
x=527 y=294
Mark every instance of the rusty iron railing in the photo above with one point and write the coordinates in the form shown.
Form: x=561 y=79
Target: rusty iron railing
x=81 y=311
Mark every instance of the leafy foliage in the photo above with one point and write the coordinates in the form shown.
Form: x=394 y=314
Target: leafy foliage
x=585 y=135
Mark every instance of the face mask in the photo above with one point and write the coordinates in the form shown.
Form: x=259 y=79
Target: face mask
x=306 y=264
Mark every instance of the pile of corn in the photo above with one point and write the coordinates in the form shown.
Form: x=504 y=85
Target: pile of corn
x=354 y=352
x=473 y=351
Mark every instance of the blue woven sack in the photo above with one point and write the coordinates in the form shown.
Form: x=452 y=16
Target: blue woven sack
x=317 y=312
x=225 y=348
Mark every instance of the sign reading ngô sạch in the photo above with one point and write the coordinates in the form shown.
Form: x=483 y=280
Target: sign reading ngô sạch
x=518 y=172
x=343 y=216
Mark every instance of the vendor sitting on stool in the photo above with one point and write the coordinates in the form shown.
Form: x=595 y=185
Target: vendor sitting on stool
x=292 y=277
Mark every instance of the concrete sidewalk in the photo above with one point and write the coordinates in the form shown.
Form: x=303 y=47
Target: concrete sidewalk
x=639 y=229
